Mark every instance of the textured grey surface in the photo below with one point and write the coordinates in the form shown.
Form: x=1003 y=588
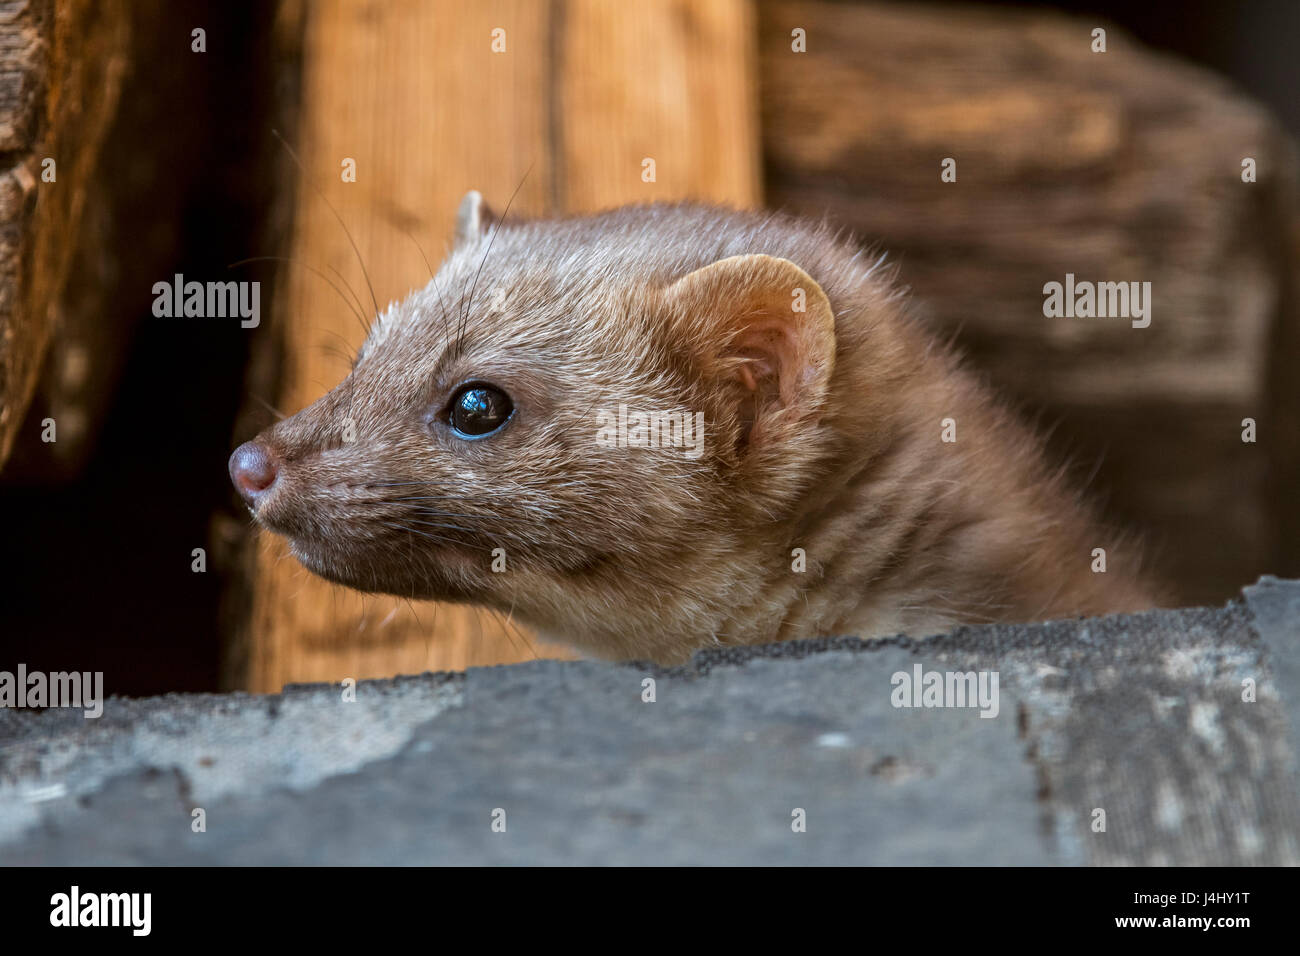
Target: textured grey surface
x=1141 y=717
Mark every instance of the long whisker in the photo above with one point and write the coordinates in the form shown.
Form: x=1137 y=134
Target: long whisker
x=412 y=503
x=325 y=199
x=391 y=484
x=438 y=484
x=454 y=527
x=446 y=321
x=426 y=512
x=267 y=405
x=420 y=249
x=508 y=627
x=361 y=309
x=329 y=349
x=425 y=534
x=311 y=269
x=411 y=608
x=496 y=231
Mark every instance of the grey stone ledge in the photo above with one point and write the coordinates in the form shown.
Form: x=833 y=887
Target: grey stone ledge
x=1139 y=717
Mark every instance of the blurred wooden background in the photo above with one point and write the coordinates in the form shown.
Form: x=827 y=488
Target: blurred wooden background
x=1123 y=165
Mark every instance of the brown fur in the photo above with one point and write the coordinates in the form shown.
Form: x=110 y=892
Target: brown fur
x=822 y=433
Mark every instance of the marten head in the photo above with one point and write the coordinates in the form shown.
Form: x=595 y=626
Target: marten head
x=597 y=423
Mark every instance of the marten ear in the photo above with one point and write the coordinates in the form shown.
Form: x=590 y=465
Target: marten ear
x=473 y=218
x=765 y=330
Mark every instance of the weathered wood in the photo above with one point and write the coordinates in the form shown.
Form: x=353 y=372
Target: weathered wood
x=62 y=68
x=413 y=92
x=1115 y=166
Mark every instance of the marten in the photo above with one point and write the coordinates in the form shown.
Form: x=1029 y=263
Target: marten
x=675 y=426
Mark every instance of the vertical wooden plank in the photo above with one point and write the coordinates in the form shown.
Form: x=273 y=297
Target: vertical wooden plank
x=413 y=92
x=61 y=67
x=672 y=81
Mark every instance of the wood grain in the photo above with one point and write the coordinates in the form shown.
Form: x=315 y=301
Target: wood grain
x=668 y=81
x=62 y=66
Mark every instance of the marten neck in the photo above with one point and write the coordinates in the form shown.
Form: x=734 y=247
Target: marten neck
x=948 y=515
x=933 y=507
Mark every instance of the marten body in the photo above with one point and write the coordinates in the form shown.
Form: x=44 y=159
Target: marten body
x=487 y=447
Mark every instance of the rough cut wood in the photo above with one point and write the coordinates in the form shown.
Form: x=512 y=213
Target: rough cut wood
x=61 y=65
x=412 y=91
x=1116 y=166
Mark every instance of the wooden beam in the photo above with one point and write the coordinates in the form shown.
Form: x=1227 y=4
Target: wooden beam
x=1117 y=166
x=61 y=67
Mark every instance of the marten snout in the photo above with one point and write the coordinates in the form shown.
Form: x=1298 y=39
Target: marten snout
x=253 y=471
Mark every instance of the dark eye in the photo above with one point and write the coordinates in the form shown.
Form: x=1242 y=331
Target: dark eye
x=479 y=410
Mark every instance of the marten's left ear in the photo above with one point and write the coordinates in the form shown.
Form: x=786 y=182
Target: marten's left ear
x=767 y=332
x=473 y=218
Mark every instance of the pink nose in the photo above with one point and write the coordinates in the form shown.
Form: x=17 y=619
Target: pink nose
x=252 y=470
